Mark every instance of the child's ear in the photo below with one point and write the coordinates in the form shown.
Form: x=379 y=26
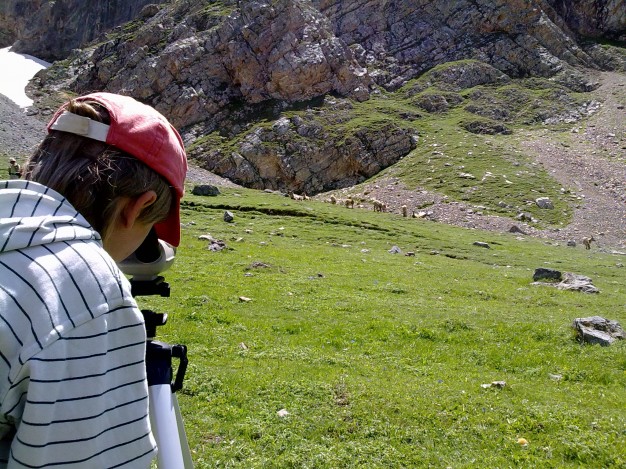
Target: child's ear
x=134 y=206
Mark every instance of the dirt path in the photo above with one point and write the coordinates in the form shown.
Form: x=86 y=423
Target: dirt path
x=593 y=166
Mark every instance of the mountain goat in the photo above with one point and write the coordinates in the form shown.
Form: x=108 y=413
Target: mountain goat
x=587 y=242
x=379 y=206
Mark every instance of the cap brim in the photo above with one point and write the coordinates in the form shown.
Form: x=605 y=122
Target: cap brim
x=169 y=229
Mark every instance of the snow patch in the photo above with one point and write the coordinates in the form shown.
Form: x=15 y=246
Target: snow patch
x=17 y=70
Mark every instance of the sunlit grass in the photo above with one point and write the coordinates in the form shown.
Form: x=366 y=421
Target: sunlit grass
x=379 y=358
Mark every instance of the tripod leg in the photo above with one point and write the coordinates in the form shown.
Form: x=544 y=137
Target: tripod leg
x=184 y=444
x=165 y=427
x=165 y=417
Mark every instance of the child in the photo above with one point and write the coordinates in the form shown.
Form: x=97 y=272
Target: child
x=72 y=340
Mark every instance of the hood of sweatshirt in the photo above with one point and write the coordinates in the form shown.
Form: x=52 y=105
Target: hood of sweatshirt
x=32 y=214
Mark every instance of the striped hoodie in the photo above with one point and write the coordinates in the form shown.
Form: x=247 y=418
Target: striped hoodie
x=73 y=389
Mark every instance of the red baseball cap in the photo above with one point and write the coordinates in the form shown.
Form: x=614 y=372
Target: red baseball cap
x=140 y=131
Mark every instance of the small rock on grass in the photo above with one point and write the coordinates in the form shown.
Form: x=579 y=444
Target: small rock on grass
x=494 y=384
x=482 y=244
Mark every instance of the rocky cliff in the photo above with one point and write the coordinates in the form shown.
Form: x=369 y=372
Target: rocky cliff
x=247 y=82
x=589 y=18
x=305 y=154
x=51 y=29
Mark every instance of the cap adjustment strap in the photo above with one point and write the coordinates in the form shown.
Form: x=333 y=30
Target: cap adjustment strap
x=81 y=125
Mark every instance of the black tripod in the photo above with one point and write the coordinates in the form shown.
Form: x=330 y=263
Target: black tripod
x=165 y=417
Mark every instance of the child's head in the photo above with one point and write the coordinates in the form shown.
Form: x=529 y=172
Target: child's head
x=103 y=148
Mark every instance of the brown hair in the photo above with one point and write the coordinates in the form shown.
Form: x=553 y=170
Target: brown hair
x=94 y=176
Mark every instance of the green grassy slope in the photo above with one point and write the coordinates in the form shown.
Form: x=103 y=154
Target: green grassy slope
x=379 y=358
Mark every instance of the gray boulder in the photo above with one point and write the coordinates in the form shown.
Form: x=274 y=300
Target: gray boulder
x=544 y=202
x=566 y=280
x=205 y=190
x=547 y=274
x=577 y=282
x=598 y=330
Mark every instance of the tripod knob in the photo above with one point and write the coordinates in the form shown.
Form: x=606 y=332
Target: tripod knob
x=159 y=364
x=153 y=320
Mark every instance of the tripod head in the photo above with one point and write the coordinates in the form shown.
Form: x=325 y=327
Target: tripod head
x=151 y=258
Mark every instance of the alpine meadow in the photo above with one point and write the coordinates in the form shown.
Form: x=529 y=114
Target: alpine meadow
x=312 y=345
